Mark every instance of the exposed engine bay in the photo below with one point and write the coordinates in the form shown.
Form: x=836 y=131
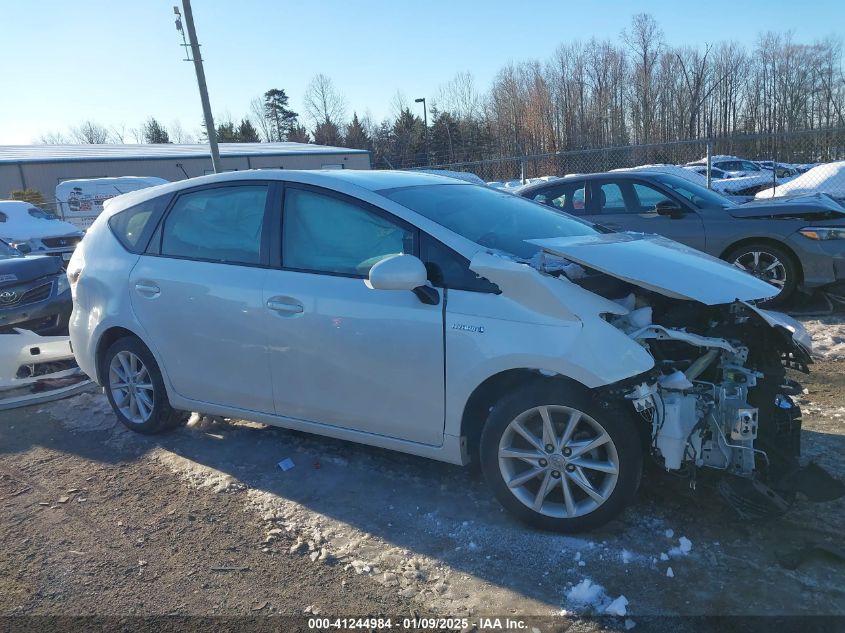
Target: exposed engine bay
x=718 y=397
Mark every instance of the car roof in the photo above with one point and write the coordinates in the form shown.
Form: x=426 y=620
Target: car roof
x=370 y=180
x=621 y=174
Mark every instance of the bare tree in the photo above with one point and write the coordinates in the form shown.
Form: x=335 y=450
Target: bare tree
x=323 y=102
x=90 y=132
x=53 y=138
x=258 y=117
x=645 y=40
x=178 y=134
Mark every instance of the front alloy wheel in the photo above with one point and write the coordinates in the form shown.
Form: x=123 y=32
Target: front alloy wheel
x=768 y=263
x=558 y=459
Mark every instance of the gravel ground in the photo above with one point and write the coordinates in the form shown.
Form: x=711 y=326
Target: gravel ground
x=201 y=521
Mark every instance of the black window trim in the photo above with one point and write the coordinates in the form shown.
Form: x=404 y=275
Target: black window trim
x=363 y=204
x=149 y=228
x=154 y=247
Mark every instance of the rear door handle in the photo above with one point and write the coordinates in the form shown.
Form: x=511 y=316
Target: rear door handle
x=147 y=289
x=285 y=305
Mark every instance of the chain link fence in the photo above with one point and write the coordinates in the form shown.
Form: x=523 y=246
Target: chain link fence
x=759 y=165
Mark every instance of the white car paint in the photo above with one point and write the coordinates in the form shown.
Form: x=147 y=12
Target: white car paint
x=81 y=200
x=374 y=366
x=21 y=226
x=662 y=265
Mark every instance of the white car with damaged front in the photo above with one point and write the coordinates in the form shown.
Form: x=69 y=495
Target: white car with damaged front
x=423 y=314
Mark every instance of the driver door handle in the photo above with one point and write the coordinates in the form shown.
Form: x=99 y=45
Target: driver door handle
x=147 y=289
x=285 y=305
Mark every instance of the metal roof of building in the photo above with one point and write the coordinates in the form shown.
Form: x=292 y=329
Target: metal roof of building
x=68 y=153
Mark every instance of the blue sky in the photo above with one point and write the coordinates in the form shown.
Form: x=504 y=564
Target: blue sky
x=119 y=62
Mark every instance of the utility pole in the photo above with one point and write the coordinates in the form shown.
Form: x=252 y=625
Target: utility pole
x=425 y=124
x=197 y=59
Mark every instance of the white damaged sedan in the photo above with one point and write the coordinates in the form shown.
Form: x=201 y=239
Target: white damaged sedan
x=427 y=315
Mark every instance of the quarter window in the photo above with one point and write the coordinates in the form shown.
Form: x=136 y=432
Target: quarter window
x=224 y=224
x=326 y=234
x=129 y=225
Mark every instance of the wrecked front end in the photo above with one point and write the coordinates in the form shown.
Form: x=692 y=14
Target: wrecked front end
x=719 y=397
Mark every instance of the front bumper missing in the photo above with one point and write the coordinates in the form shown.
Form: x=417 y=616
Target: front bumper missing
x=35 y=369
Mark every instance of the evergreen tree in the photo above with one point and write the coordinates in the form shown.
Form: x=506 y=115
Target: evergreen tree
x=227 y=132
x=298 y=134
x=328 y=133
x=247 y=132
x=154 y=132
x=281 y=119
x=408 y=140
x=356 y=135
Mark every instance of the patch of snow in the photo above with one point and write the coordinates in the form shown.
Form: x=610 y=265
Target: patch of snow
x=828 y=334
x=664 y=556
x=674 y=170
x=618 y=607
x=828 y=178
x=629 y=624
x=669 y=533
x=670 y=573
x=586 y=594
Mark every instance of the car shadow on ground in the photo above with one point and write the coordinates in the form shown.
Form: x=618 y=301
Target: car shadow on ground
x=445 y=514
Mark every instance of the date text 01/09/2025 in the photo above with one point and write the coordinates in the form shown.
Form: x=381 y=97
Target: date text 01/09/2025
x=415 y=624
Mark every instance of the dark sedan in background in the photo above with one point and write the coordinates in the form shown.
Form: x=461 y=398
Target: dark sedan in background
x=794 y=243
x=34 y=293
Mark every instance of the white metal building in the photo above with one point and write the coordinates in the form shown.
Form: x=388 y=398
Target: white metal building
x=42 y=167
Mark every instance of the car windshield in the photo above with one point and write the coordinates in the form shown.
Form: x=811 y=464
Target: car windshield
x=495 y=219
x=695 y=194
x=42 y=214
x=7 y=252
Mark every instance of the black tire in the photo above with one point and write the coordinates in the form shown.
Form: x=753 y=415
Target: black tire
x=162 y=416
x=769 y=250
x=619 y=425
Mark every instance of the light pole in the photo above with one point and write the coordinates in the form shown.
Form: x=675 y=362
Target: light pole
x=197 y=59
x=425 y=123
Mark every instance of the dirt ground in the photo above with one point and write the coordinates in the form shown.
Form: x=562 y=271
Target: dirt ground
x=95 y=519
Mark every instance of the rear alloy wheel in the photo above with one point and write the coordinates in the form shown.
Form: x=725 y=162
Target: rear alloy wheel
x=560 y=461
x=135 y=389
x=770 y=264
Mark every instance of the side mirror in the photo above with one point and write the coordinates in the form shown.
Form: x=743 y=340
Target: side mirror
x=403 y=272
x=672 y=209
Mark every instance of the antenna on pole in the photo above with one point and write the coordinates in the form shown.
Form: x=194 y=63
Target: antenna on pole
x=192 y=52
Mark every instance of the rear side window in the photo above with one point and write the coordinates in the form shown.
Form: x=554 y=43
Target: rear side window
x=131 y=227
x=224 y=224
x=568 y=197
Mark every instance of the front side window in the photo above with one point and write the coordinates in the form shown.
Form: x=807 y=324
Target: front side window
x=224 y=224
x=491 y=218
x=696 y=195
x=326 y=234
x=648 y=197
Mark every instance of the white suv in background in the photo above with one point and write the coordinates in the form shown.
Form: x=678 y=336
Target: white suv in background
x=424 y=314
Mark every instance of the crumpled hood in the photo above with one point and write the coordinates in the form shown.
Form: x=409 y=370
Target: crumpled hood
x=661 y=265
x=806 y=207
